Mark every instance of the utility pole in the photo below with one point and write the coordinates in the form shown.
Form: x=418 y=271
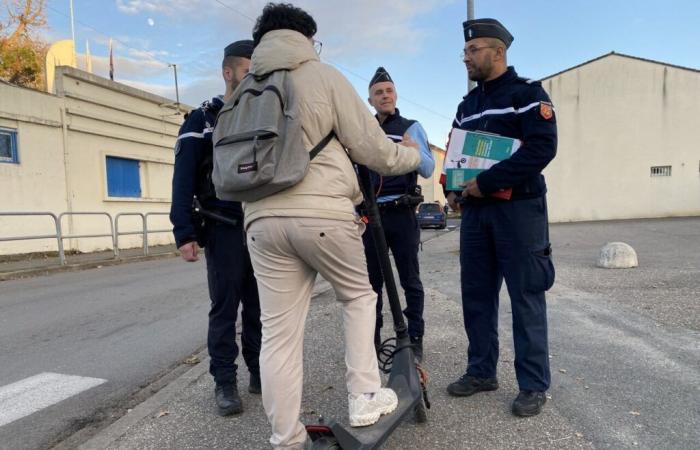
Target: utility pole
x=177 y=91
x=470 y=16
x=72 y=31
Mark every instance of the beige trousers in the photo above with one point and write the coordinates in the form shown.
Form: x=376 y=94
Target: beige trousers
x=287 y=253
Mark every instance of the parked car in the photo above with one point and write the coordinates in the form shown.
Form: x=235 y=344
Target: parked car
x=431 y=215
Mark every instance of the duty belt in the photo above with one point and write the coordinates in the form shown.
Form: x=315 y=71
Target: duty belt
x=394 y=204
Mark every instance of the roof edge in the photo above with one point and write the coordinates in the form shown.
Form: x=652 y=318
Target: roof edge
x=72 y=72
x=653 y=61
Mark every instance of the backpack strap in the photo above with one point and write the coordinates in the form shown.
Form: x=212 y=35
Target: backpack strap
x=321 y=145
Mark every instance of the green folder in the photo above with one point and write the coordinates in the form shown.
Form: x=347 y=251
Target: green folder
x=480 y=151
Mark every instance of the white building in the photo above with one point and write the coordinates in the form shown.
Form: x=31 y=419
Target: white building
x=629 y=140
x=94 y=145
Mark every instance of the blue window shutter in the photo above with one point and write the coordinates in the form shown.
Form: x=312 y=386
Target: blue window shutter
x=8 y=146
x=123 y=177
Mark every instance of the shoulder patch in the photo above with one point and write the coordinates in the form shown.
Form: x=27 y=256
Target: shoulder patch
x=546 y=110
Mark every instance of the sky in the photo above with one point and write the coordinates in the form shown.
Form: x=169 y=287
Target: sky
x=417 y=41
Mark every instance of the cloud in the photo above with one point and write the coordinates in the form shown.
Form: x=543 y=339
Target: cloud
x=167 y=7
x=371 y=26
x=149 y=55
x=348 y=29
x=127 y=67
x=156 y=78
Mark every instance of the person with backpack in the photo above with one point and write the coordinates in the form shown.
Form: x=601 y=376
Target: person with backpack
x=217 y=225
x=310 y=227
x=397 y=199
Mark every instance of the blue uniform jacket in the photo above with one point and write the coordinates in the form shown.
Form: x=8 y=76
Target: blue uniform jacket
x=191 y=177
x=517 y=108
x=393 y=187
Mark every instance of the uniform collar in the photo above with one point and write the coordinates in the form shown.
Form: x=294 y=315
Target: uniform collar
x=391 y=117
x=507 y=76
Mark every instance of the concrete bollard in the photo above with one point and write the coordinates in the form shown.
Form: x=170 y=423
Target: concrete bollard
x=617 y=255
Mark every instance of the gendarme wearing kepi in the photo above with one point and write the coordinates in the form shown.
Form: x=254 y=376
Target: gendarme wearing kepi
x=486 y=28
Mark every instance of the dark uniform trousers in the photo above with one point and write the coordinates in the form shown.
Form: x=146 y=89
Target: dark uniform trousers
x=507 y=239
x=403 y=238
x=231 y=282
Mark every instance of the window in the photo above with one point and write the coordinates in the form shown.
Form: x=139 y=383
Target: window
x=123 y=177
x=430 y=208
x=661 y=171
x=8 y=146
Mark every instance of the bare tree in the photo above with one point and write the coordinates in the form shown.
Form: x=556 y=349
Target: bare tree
x=22 y=55
x=25 y=16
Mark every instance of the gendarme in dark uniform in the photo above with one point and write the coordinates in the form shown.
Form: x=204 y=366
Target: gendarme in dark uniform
x=229 y=271
x=397 y=198
x=506 y=239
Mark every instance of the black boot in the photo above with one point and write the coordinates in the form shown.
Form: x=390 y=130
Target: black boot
x=528 y=403
x=417 y=343
x=255 y=385
x=227 y=399
x=468 y=385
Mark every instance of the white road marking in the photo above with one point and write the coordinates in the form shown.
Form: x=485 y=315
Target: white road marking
x=35 y=393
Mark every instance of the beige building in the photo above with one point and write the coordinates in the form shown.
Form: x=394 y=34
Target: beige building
x=432 y=189
x=629 y=140
x=92 y=146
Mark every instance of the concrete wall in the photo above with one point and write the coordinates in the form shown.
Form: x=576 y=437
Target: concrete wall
x=617 y=117
x=64 y=140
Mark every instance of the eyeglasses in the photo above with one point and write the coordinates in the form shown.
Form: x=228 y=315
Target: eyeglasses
x=471 y=51
x=318 y=46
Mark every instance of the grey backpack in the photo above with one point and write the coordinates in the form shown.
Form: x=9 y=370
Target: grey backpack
x=258 y=148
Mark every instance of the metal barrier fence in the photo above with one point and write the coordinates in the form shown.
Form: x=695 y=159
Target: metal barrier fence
x=57 y=235
x=83 y=236
x=145 y=236
x=117 y=233
x=114 y=231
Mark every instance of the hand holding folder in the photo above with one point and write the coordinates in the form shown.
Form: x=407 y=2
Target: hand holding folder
x=471 y=152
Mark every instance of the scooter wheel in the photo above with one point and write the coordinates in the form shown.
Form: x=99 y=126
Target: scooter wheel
x=325 y=443
x=420 y=412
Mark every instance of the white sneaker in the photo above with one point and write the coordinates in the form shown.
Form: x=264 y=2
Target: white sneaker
x=365 y=409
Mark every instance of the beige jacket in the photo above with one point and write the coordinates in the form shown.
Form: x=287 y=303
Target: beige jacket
x=327 y=101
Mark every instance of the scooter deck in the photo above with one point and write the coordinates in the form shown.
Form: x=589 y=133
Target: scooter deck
x=403 y=379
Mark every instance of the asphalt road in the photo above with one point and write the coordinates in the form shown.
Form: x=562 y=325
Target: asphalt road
x=125 y=324
x=113 y=330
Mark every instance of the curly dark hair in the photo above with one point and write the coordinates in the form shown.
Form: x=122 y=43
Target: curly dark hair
x=283 y=16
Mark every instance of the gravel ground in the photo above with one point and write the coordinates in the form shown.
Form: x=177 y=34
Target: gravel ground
x=624 y=347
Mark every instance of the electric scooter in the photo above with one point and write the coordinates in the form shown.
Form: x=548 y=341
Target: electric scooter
x=407 y=378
